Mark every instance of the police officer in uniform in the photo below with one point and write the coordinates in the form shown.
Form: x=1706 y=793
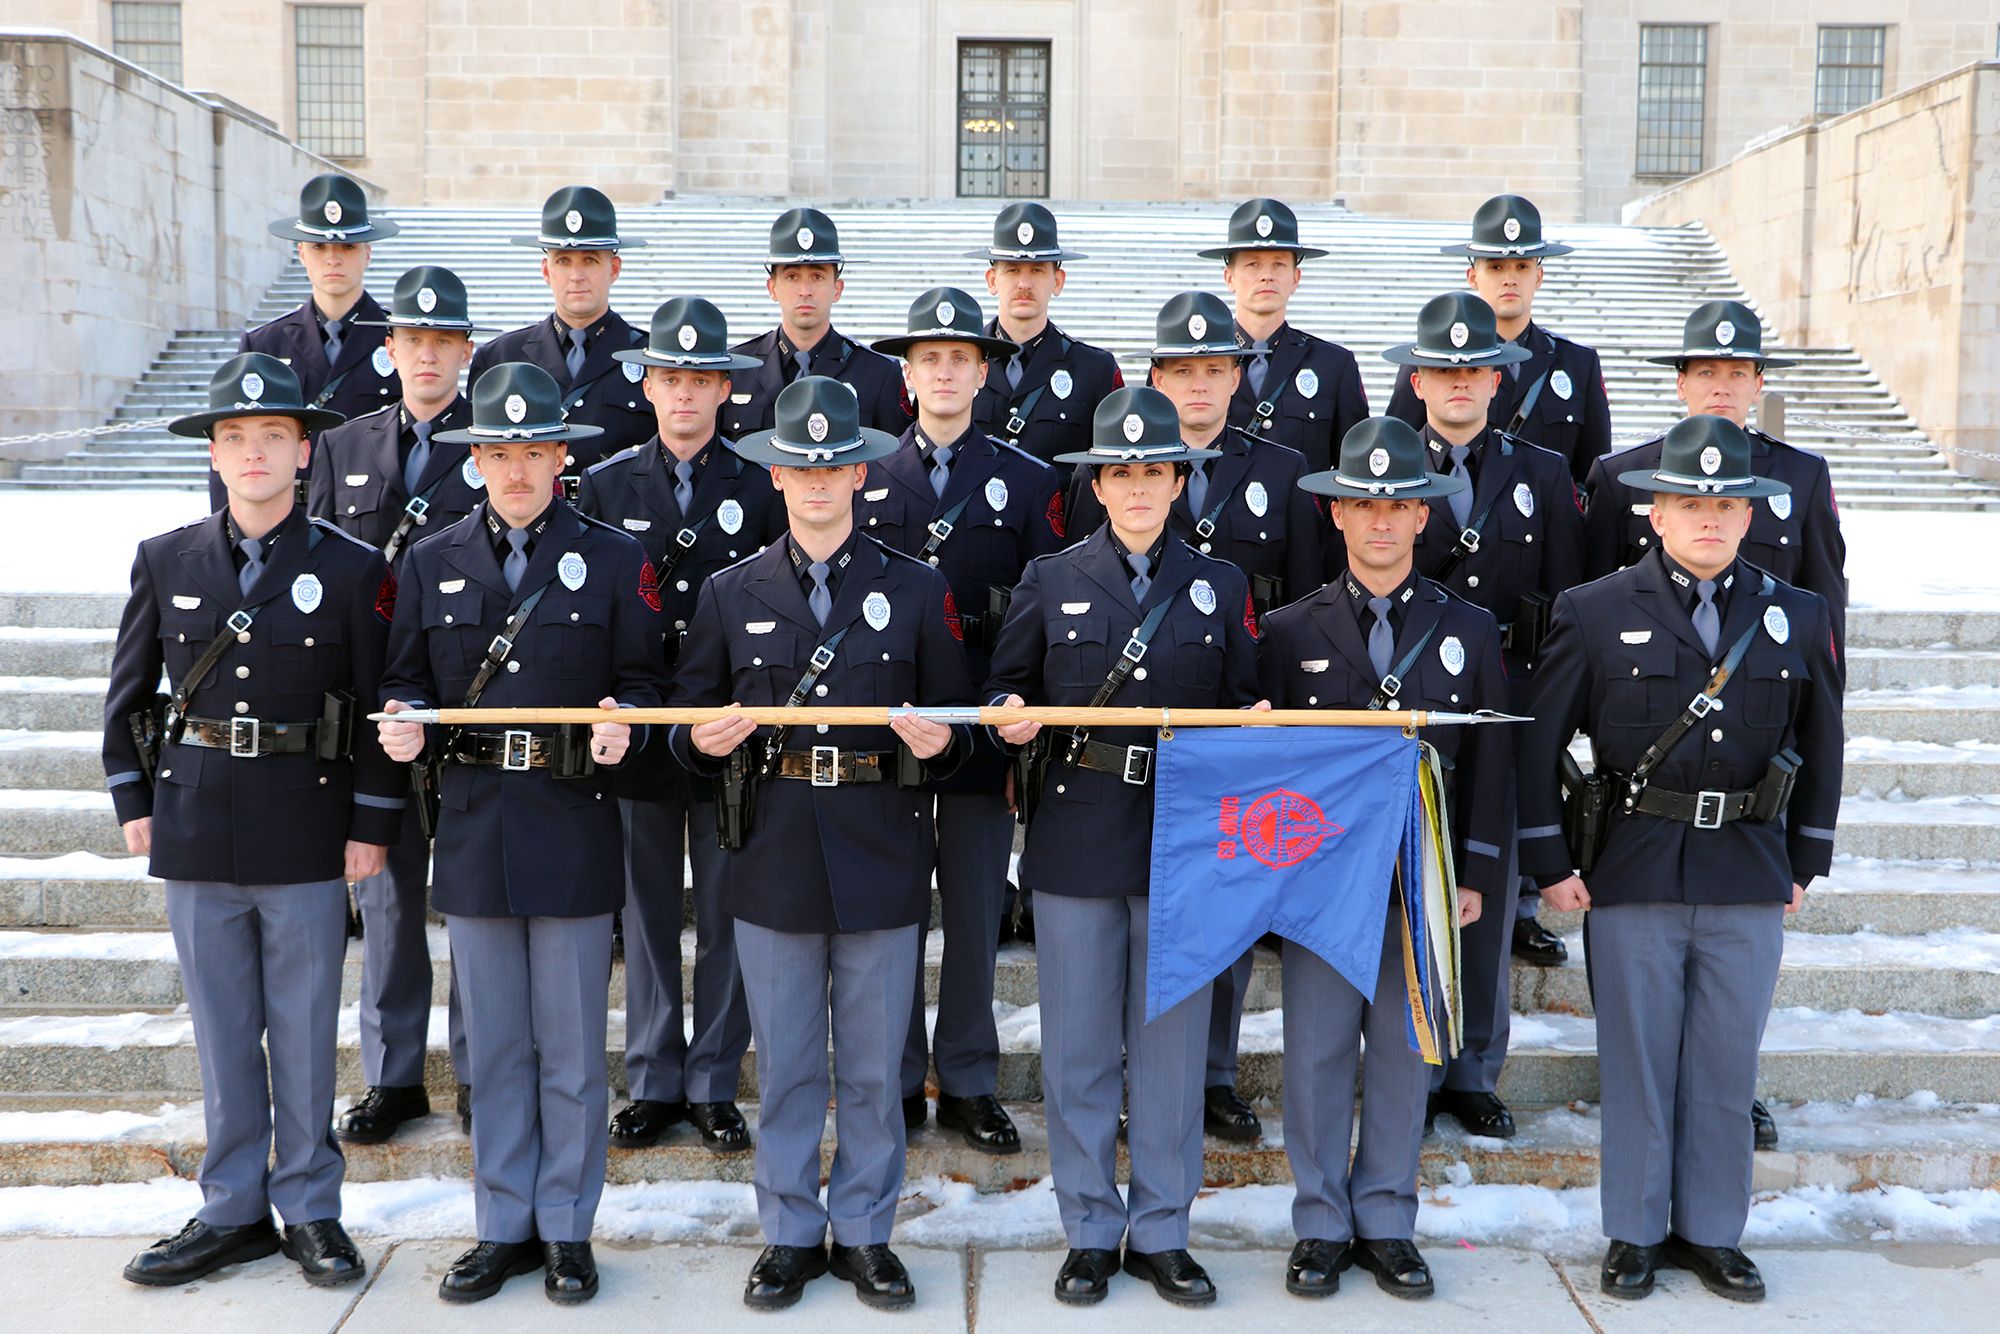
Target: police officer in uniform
x=382 y=479
x=578 y=343
x=978 y=509
x=1688 y=895
x=1508 y=541
x=695 y=507
x=1381 y=636
x=1041 y=398
x=1245 y=507
x=526 y=603
x=1130 y=615
x=1298 y=390
x=337 y=369
x=831 y=879
x=1555 y=398
x=803 y=275
x=258 y=800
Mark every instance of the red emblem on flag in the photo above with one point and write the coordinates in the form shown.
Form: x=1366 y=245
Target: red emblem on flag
x=649 y=586
x=1057 y=524
x=1280 y=828
x=951 y=621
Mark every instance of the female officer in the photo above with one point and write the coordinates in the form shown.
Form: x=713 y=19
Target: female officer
x=1129 y=616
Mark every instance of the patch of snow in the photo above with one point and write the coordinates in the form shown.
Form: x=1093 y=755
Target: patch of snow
x=1964 y=949
x=1979 y=809
x=35 y=523
x=48 y=685
x=53 y=799
x=73 y=866
x=21 y=738
x=78 y=1127
x=97 y=1030
x=126 y=945
x=1958 y=573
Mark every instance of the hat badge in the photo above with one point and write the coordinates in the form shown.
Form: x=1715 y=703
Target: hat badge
x=1511 y=229
x=253 y=387
x=1378 y=461
x=805 y=239
x=945 y=313
x=1197 y=327
x=574 y=221
x=427 y=299
x=816 y=427
x=516 y=408
x=1263 y=224
x=1725 y=334
x=1134 y=427
x=1025 y=232
x=686 y=337
x=1459 y=334
x=1711 y=460
x=333 y=212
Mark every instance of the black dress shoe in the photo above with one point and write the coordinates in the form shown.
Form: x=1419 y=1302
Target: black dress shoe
x=721 y=1126
x=915 y=1112
x=1398 y=1268
x=1628 y=1270
x=1763 y=1129
x=1225 y=1115
x=1314 y=1269
x=781 y=1274
x=982 y=1120
x=1479 y=1113
x=200 y=1249
x=324 y=1251
x=465 y=1108
x=1536 y=944
x=381 y=1112
x=1175 y=1275
x=572 y=1275
x=877 y=1275
x=1086 y=1276
x=1723 y=1270
x=640 y=1124
x=478 y=1274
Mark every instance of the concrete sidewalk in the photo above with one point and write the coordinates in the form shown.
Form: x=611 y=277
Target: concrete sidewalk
x=55 y=1285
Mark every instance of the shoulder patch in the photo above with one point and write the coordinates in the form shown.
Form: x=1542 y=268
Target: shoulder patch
x=385 y=597
x=951 y=620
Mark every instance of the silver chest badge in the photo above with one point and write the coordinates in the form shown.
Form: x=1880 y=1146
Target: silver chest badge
x=1560 y=382
x=572 y=571
x=1307 y=381
x=1776 y=625
x=469 y=472
x=1257 y=498
x=384 y=367
x=1781 y=506
x=1061 y=384
x=633 y=371
x=1202 y=594
x=1524 y=500
x=996 y=493
x=875 y=611
x=306 y=592
x=1452 y=654
x=729 y=516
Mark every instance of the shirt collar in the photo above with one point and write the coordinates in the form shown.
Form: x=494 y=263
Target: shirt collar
x=1686 y=585
x=700 y=459
x=1158 y=549
x=842 y=557
x=1399 y=598
x=926 y=446
x=293 y=518
x=498 y=528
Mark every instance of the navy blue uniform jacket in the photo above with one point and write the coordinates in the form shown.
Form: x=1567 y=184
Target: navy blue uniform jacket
x=606 y=392
x=877 y=382
x=1575 y=424
x=1057 y=408
x=357 y=477
x=1314 y=422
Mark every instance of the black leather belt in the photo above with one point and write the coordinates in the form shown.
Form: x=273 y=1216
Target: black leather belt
x=830 y=766
x=1133 y=764
x=514 y=751
x=247 y=738
x=1704 y=810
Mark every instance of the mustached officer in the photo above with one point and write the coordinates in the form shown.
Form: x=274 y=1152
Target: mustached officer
x=259 y=800
x=526 y=603
x=1556 y=397
x=1380 y=636
x=977 y=509
x=1711 y=696
x=803 y=276
x=695 y=507
x=1297 y=390
x=1040 y=399
x=829 y=872
x=1130 y=615
x=577 y=343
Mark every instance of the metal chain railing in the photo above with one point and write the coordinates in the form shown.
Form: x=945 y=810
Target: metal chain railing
x=85 y=432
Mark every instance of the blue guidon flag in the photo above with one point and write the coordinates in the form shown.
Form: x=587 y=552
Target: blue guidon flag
x=1305 y=832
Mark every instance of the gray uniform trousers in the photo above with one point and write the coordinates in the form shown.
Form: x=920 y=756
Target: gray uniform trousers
x=535 y=995
x=975 y=834
x=1225 y=1020
x=260 y=960
x=1090 y=955
x=1486 y=979
x=799 y=983
x=661 y=1064
x=396 y=968
x=1326 y=1020
x=1682 y=991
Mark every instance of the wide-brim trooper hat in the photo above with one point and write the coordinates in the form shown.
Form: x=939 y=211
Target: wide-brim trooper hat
x=688 y=334
x=946 y=315
x=1025 y=234
x=1507 y=227
x=1382 y=458
x=818 y=426
x=578 y=217
x=1722 y=331
x=1705 y=455
x=334 y=209
x=252 y=384
x=514 y=403
x=1262 y=224
x=428 y=297
x=1195 y=324
x=1457 y=329
x=804 y=236
x=1136 y=424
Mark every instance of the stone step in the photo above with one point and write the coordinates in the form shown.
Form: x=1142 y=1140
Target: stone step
x=41 y=823
x=1904 y=669
x=28 y=651
x=61 y=611
x=51 y=760
x=52 y=703
x=1920 y=769
x=1926 y=628
x=1959 y=828
x=1940 y=714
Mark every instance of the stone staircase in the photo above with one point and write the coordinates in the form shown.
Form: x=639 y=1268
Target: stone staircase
x=1626 y=292
x=1888 y=996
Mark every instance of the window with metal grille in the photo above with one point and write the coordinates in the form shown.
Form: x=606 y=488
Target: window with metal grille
x=328 y=43
x=1673 y=90
x=148 y=35
x=1850 y=68
x=1003 y=120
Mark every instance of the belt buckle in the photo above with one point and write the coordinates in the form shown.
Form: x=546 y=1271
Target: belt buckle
x=1139 y=759
x=826 y=766
x=516 y=750
x=940 y=529
x=417 y=508
x=239 y=729
x=499 y=648
x=1708 y=807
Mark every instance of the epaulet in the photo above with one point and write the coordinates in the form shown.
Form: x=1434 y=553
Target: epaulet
x=591 y=521
x=625 y=455
x=325 y=529
x=744 y=560
x=1006 y=448
x=367 y=416
x=1636 y=444
x=892 y=553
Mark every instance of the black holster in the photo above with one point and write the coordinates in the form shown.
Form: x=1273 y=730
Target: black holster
x=1031 y=770
x=1586 y=818
x=336 y=725
x=736 y=797
x=426 y=783
x=149 y=726
x=998 y=599
x=1774 y=790
x=1266 y=591
x=1530 y=625
x=909 y=769
x=570 y=755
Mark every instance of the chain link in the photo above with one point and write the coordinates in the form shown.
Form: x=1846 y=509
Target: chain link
x=86 y=432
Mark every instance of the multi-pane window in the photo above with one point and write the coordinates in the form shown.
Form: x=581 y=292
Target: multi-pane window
x=1003 y=120
x=328 y=43
x=1850 y=68
x=1673 y=88
x=149 y=35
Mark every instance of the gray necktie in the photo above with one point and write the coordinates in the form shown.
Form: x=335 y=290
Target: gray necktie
x=801 y=363
x=516 y=563
x=1197 y=489
x=333 y=341
x=1707 y=620
x=1014 y=373
x=1461 y=500
x=820 y=600
x=573 y=359
x=684 y=486
x=1142 y=575
x=420 y=457
x=1381 y=643
x=1260 y=366
x=940 y=469
x=253 y=564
